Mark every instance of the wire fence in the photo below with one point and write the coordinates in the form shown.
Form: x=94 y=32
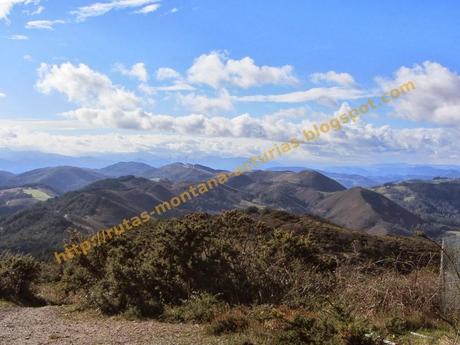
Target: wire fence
x=450 y=274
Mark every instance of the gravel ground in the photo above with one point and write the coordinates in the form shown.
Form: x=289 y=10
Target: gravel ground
x=59 y=325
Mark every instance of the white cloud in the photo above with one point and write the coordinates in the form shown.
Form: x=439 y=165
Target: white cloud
x=7 y=5
x=2 y=95
x=314 y=94
x=436 y=95
x=43 y=24
x=18 y=37
x=343 y=79
x=166 y=73
x=174 y=10
x=215 y=69
x=27 y=57
x=102 y=103
x=101 y=8
x=138 y=71
x=358 y=143
x=148 y=9
x=113 y=117
x=204 y=104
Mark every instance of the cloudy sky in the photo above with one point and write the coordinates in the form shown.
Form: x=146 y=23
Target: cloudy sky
x=229 y=78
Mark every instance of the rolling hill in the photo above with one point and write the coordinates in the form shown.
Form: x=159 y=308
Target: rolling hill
x=107 y=202
x=179 y=172
x=5 y=178
x=436 y=201
x=359 y=208
x=60 y=179
x=16 y=199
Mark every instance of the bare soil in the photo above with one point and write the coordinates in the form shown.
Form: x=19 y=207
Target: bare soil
x=63 y=325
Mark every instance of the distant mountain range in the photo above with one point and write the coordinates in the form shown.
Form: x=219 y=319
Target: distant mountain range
x=64 y=179
x=374 y=175
x=91 y=199
x=109 y=201
x=350 y=176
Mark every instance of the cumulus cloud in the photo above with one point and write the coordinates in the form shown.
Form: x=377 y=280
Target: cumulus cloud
x=137 y=71
x=18 y=38
x=43 y=24
x=343 y=79
x=216 y=69
x=101 y=101
x=101 y=8
x=104 y=104
x=435 y=98
x=84 y=86
x=7 y=5
x=148 y=9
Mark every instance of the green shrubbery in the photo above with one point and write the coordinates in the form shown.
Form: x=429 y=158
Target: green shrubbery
x=174 y=269
x=230 y=322
x=198 y=308
x=231 y=256
x=17 y=274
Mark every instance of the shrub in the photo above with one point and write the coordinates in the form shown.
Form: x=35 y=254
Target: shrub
x=202 y=307
x=356 y=334
x=304 y=330
x=17 y=274
x=231 y=322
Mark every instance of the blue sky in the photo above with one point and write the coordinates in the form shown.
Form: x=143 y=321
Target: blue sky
x=82 y=77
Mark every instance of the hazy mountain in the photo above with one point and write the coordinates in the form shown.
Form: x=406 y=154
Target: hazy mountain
x=351 y=180
x=5 y=178
x=60 y=179
x=22 y=161
x=184 y=172
x=128 y=168
x=435 y=201
x=373 y=175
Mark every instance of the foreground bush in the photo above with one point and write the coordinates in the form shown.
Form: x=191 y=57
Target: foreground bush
x=230 y=322
x=242 y=261
x=17 y=274
x=198 y=308
x=266 y=261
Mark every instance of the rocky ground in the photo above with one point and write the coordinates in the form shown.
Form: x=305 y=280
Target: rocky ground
x=62 y=325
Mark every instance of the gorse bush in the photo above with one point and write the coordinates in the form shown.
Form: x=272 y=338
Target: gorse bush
x=303 y=330
x=17 y=274
x=231 y=322
x=232 y=256
x=268 y=261
x=199 y=308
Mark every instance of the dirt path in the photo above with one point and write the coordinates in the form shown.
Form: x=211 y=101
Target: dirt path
x=59 y=325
